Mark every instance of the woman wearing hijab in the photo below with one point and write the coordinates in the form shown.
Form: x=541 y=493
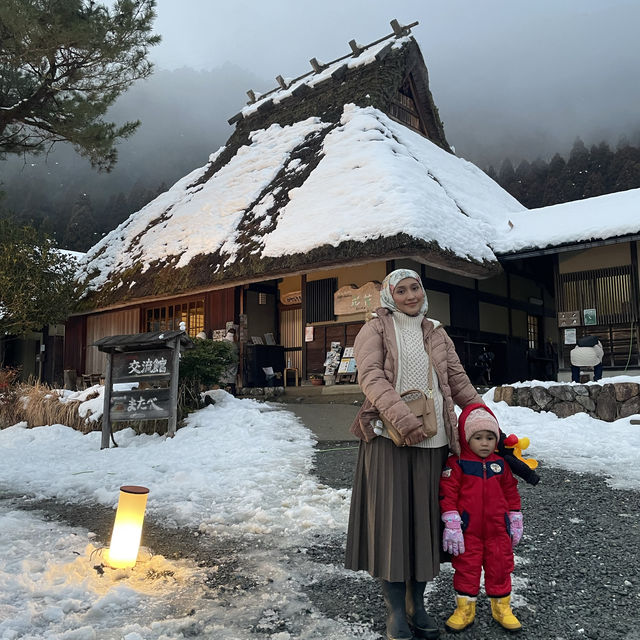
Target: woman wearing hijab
x=394 y=522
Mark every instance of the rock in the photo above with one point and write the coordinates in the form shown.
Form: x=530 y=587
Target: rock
x=507 y=395
x=594 y=391
x=626 y=390
x=523 y=397
x=566 y=409
x=630 y=407
x=580 y=390
x=562 y=392
x=497 y=394
x=587 y=403
x=540 y=397
x=606 y=406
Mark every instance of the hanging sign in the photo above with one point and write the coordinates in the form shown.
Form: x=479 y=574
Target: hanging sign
x=293 y=297
x=590 y=317
x=569 y=319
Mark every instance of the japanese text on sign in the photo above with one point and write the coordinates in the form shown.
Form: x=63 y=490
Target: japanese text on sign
x=142 y=404
x=138 y=367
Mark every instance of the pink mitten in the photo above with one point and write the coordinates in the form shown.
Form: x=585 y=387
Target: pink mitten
x=515 y=520
x=452 y=538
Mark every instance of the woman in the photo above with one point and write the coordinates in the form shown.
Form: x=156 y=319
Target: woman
x=394 y=523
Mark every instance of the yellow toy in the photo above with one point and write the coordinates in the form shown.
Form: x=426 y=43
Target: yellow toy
x=518 y=445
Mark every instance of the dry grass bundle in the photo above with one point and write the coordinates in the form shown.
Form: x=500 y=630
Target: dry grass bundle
x=38 y=405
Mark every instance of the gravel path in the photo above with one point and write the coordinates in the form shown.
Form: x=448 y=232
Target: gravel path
x=577 y=573
x=577 y=568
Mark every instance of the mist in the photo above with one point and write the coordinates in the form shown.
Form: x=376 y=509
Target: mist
x=509 y=78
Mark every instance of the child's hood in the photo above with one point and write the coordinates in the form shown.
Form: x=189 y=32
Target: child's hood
x=464 y=445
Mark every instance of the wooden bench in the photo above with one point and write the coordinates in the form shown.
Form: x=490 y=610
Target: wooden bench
x=91 y=379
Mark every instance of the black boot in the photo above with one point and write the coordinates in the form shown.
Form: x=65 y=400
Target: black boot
x=423 y=625
x=394 y=599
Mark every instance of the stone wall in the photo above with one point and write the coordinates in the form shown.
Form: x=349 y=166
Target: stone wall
x=606 y=402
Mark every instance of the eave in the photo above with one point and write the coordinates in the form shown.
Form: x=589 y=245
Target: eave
x=570 y=246
x=160 y=282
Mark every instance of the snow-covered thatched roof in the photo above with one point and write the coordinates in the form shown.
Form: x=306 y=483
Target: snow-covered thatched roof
x=310 y=179
x=608 y=217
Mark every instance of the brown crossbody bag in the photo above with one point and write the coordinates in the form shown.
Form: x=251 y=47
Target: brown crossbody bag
x=423 y=406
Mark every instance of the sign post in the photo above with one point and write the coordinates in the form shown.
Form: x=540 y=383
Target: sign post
x=146 y=367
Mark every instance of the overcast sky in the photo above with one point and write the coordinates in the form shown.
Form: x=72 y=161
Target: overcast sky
x=551 y=70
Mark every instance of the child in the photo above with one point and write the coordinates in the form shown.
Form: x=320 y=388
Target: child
x=479 y=496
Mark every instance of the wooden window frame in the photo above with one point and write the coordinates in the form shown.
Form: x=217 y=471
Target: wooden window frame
x=169 y=315
x=609 y=290
x=533 y=332
x=403 y=108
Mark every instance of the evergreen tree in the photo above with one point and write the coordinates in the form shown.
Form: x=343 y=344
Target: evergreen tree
x=507 y=174
x=538 y=178
x=81 y=232
x=552 y=191
x=63 y=63
x=37 y=281
x=594 y=186
x=576 y=172
x=522 y=183
x=492 y=173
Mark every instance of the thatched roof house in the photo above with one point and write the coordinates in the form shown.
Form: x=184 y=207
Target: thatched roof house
x=344 y=163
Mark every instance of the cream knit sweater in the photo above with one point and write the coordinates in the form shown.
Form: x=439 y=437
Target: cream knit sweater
x=413 y=371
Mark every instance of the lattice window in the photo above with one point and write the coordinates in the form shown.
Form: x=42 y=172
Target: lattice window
x=609 y=291
x=169 y=317
x=612 y=293
x=403 y=108
x=533 y=332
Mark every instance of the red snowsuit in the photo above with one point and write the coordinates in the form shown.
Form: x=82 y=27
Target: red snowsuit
x=482 y=491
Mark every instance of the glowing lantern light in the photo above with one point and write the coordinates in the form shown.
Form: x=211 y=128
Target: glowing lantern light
x=127 y=528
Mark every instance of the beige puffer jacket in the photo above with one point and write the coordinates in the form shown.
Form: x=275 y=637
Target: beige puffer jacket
x=587 y=356
x=376 y=354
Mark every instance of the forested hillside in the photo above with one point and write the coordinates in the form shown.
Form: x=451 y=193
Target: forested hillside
x=585 y=173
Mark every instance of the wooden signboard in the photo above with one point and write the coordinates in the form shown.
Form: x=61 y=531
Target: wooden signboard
x=569 y=319
x=152 y=360
x=352 y=299
x=140 y=365
x=140 y=404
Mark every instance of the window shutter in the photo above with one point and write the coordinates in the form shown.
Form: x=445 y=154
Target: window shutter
x=319 y=300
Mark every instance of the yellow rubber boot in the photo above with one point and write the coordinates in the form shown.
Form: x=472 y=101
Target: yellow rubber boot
x=501 y=612
x=464 y=614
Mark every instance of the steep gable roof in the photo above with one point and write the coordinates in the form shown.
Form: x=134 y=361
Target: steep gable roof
x=311 y=179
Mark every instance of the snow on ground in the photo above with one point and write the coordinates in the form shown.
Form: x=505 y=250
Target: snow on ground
x=239 y=469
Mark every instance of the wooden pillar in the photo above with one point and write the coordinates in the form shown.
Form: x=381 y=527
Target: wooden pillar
x=303 y=293
x=106 y=407
x=635 y=295
x=173 y=389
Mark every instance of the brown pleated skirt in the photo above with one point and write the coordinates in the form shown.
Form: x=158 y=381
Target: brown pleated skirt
x=394 y=523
